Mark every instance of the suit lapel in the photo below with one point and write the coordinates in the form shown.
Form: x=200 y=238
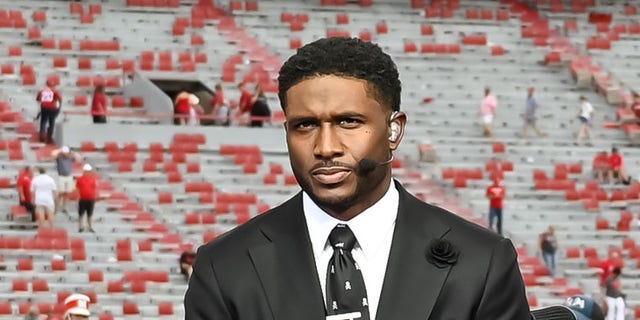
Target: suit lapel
x=286 y=267
x=412 y=284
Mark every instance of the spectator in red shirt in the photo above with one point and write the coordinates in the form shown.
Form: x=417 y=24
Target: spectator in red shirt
x=183 y=103
x=99 y=105
x=218 y=100
x=246 y=100
x=635 y=107
x=86 y=185
x=617 y=168
x=50 y=103
x=601 y=166
x=607 y=265
x=187 y=258
x=24 y=191
x=496 y=194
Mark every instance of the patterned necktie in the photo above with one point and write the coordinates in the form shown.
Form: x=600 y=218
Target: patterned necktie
x=346 y=292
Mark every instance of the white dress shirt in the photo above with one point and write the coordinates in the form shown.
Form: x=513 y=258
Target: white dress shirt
x=373 y=229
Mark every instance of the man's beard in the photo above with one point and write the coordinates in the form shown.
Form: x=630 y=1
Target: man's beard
x=336 y=205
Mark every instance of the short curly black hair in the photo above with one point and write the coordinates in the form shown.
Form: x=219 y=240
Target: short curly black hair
x=345 y=57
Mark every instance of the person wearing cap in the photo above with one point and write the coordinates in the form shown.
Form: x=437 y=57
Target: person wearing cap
x=64 y=158
x=496 y=193
x=76 y=307
x=87 y=186
x=50 y=103
x=43 y=189
x=578 y=307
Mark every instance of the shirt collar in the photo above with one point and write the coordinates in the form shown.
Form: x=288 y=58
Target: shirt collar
x=368 y=226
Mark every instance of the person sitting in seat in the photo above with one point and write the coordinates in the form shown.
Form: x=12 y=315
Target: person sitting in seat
x=601 y=166
x=617 y=171
x=187 y=258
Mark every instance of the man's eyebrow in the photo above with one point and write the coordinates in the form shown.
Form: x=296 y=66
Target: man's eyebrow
x=301 y=119
x=348 y=115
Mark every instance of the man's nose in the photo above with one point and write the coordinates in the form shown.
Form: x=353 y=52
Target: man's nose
x=328 y=144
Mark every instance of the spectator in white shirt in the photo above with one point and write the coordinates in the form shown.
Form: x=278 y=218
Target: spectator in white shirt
x=44 y=192
x=586 y=113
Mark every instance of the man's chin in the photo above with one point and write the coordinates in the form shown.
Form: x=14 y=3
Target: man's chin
x=333 y=199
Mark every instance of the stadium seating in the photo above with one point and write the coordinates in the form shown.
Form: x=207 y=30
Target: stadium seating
x=167 y=193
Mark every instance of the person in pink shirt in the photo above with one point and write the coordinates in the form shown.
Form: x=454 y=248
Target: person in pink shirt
x=99 y=105
x=488 y=108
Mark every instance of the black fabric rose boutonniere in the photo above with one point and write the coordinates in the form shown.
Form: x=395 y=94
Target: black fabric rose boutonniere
x=442 y=253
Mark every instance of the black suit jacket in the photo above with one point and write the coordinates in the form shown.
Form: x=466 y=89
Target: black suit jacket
x=265 y=269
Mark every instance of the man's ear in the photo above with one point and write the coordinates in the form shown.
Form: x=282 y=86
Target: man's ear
x=397 y=124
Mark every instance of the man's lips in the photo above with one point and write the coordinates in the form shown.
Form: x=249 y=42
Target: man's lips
x=331 y=175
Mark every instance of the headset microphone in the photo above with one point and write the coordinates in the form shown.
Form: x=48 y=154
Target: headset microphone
x=367 y=165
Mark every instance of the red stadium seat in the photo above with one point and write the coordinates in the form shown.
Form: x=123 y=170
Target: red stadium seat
x=498 y=147
x=39 y=16
x=83 y=81
x=95 y=8
x=59 y=62
x=76 y=8
x=138 y=286
x=96 y=275
x=136 y=102
x=64 y=44
x=15 y=51
x=145 y=245
x=530 y=280
x=20 y=285
x=208 y=218
x=123 y=250
x=7 y=69
x=165 y=309
x=172 y=176
x=573 y=252
x=80 y=100
x=251 y=6
x=33 y=33
x=602 y=224
x=25 y=264
x=78 y=253
x=39 y=285
x=58 y=265
x=628 y=243
x=192 y=218
x=106 y=316
x=115 y=286
x=208 y=236
x=193 y=167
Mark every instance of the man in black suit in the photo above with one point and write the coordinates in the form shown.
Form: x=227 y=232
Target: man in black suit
x=402 y=259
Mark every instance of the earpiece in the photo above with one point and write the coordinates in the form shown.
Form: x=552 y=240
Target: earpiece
x=395 y=130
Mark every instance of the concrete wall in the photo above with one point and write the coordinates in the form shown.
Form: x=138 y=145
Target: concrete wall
x=73 y=133
x=155 y=100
